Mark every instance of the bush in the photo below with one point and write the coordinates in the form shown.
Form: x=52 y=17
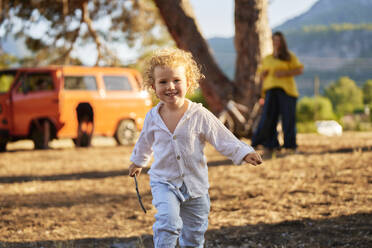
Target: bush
x=345 y=96
x=197 y=96
x=367 y=92
x=313 y=109
x=306 y=127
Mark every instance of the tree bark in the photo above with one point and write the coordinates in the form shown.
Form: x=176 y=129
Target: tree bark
x=252 y=42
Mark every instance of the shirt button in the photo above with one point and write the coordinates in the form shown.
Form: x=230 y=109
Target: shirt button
x=174 y=137
x=178 y=157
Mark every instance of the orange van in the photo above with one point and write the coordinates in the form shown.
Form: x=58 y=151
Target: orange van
x=43 y=103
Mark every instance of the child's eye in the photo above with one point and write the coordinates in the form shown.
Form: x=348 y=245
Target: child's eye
x=163 y=82
x=177 y=80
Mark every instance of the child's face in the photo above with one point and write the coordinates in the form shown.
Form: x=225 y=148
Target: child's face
x=170 y=84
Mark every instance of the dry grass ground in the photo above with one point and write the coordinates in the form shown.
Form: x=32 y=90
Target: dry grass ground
x=67 y=197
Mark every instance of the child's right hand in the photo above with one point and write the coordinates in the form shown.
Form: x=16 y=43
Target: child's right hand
x=134 y=170
x=253 y=158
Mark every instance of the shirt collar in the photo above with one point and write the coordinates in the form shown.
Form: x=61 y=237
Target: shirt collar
x=191 y=108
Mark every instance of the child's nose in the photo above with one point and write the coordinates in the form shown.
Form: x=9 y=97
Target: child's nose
x=171 y=85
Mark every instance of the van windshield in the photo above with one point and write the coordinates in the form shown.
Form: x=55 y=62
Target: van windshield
x=6 y=80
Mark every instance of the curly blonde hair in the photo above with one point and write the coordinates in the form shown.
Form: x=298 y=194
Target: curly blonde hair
x=173 y=57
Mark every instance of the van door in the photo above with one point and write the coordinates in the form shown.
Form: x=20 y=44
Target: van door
x=7 y=78
x=77 y=88
x=34 y=97
x=6 y=81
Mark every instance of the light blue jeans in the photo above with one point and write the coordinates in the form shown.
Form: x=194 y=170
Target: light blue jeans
x=178 y=216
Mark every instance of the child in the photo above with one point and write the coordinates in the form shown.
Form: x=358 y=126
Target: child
x=175 y=131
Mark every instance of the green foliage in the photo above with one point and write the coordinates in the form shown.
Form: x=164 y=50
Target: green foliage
x=363 y=127
x=345 y=96
x=367 y=92
x=337 y=27
x=7 y=60
x=306 y=127
x=55 y=32
x=313 y=109
x=198 y=97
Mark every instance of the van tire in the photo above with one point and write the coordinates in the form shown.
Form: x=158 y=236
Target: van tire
x=37 y=137
x=85 y=140
x=126 y=133
x=3 y=142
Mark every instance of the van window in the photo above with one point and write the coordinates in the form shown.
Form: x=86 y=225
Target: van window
x=117 y=83
x=80 y=83
x=36 y=82
x=6 y=80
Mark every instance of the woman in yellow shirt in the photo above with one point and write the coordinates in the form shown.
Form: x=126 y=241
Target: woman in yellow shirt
x=280 y=93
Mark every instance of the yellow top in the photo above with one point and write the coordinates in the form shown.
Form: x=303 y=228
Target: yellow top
x=272 y=64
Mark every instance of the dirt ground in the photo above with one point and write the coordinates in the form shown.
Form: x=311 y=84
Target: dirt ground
x=68 y=197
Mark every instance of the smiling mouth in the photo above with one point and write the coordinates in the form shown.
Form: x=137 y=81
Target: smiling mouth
x=171 y=93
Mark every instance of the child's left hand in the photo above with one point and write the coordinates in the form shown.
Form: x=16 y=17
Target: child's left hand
x=253 y=158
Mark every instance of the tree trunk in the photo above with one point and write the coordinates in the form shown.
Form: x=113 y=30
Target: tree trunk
x=252 y=32
x=252 y=42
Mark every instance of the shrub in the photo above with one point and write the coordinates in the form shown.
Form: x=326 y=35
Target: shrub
x=367 y=92
x=313 y=109
x=306 y=127
x=197 y=96
x=345 y=96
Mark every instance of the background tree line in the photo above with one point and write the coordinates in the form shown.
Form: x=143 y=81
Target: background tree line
x=342 y=97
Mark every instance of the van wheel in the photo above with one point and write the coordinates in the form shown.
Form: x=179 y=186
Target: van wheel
x=126 y=133
x=3 y=142
x=38 y=137
x=85 y=140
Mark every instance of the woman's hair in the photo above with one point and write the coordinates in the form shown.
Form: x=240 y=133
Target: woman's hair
x=173 y=57
x=283 y=53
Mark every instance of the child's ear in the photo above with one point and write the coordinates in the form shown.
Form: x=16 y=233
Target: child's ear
x=188 y=85
x=153 y=86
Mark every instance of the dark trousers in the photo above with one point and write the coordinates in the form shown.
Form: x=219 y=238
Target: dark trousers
x=277 y=103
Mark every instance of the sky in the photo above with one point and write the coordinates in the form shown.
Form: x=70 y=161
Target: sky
x=216 y=17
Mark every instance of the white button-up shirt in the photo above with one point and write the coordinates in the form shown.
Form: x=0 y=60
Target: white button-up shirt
x=179 y=156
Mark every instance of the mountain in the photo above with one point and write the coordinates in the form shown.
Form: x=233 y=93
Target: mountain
x=328 y=40
x=327 y=12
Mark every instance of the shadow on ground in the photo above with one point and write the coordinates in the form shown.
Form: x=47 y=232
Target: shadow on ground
x=62 y=177
x=343 y=231
x=115 y=173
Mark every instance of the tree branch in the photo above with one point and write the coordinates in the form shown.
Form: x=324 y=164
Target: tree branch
x=66 y=54
x=92 y=31
x=65 y=7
